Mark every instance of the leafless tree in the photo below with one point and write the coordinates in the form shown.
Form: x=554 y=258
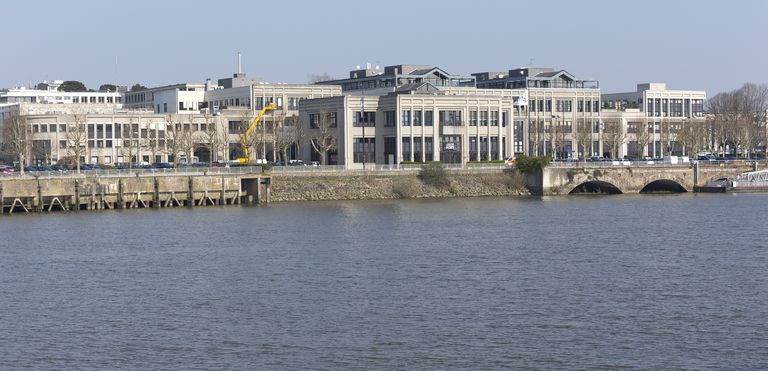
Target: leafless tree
x=614 y=136
x=131 y=142
x=323 y=134
x=584 y=138
x=77 y=137
x=288 y=134
x=16 y=138
x=535 y=129
x=642 y=136
x=319 y=77
x=213 y=138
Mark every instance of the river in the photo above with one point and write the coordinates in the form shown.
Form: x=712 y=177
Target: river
x=652 y=282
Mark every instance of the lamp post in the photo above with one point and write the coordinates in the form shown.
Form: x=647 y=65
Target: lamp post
x=554 y=135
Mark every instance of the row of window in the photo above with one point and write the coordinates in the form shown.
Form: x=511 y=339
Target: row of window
x=663 y=107
x=545 y=105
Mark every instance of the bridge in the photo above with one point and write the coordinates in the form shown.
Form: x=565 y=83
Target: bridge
x=629 y=178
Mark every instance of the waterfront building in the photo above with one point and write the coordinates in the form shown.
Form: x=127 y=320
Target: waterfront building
x=407 y=113
x=654 y=118
x=559 y=114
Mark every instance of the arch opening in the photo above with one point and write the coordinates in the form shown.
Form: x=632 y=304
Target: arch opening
x=596 y=187
x=663 y=186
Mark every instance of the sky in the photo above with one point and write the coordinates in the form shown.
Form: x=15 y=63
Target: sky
x=698 y=45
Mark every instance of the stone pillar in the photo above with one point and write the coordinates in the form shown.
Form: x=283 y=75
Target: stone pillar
x=120 y=201
x=222 y=200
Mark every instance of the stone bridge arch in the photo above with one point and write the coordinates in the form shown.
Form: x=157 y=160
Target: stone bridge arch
x=614 y=180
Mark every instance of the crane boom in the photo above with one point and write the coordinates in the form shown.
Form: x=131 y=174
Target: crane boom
x=247 y=134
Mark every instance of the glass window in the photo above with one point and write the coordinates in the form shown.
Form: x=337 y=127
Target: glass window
x=428 y=118
x=406 y=118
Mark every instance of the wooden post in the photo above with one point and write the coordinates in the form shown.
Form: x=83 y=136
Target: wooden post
x=120 y=203
x=39 y=197
x=267 y=186
x=77 y=195
x=222 y=200
x=190 y=193
x=257 y=196
x=156 y=194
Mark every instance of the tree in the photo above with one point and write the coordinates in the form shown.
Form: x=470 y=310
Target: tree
x=72 y=86
x=16 y=138
x=315 y=78
x=131 y=145
x=77 y=137
x=584 y=137
x=107 y=88
x=288 y=134
x=535 y=132
x=323 y=137
x=138 y=87
x=212 y=138
x=614 y=136
x=642 y=136
x=247 y=140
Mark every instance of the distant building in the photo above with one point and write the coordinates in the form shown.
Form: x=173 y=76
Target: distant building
x=558 y=109
x=653 y=117
x=387 y=79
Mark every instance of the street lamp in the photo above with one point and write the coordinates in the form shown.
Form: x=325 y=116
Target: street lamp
x=554 y=135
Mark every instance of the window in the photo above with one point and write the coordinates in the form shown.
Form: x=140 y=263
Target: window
x=450 y=118
x=417 y=118
x=389 y=119
x=367 y=119
x=428 y=149
x=406 y=146
x=483 y=118
x=472 y=118
x=548 y=107
x=314 y=120
x=364 y=150
x=428 y=118
x=406 y=118
x=494 y=118
x=62 y=128
x=62 y=144
x=504 y=118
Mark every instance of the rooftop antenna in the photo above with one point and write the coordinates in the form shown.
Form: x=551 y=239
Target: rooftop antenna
x=238 y=63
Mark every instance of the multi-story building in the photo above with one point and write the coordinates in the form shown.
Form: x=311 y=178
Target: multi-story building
x=652 y=117
x=408 y=113
x=559 y=114
x=371 y=79
x=183 y=98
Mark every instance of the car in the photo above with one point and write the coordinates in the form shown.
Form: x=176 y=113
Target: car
x=708 y=158
x=510 y=162
x=161 y=165
x=296 y=163
x=6 y=169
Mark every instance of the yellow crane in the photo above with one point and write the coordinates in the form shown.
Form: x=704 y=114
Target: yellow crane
x=247 y=134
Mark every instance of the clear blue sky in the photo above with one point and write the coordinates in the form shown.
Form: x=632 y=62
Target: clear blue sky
x=710 y=45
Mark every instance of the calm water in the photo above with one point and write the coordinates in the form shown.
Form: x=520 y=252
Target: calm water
x=628 y=281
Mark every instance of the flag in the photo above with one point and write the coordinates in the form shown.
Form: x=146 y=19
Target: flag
x=522 y=100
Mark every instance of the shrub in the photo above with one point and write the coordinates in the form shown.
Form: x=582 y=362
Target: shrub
x=434 y=174
x=266 y=167
x=529 y=164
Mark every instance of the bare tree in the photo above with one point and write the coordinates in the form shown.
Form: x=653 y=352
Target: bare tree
x=131 y=143
x=323 y=136
x=16 y=138
x=614 y=136
x=584 y=138
x=212 y=138
x=77 y=138
x=319 y=77
x=288 y=134
x=247 y=140
x=642 y=136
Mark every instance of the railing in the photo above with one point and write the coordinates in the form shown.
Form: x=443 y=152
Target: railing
x=135 y=172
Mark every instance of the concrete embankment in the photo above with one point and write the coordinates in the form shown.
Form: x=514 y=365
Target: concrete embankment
x=388 y=185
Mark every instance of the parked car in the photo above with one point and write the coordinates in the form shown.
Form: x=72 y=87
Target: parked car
x=162 y=165
x=296 y=163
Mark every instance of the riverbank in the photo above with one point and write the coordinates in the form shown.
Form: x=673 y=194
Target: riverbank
x=404 y=185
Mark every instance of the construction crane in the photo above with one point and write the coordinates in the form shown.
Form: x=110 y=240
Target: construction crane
x=244 y=142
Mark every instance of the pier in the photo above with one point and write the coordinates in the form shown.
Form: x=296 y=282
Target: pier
x=133 y=189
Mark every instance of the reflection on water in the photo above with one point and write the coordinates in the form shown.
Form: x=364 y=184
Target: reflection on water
x=674 y=281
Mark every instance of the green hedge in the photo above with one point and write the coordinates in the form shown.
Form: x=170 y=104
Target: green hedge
x=532 y=163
